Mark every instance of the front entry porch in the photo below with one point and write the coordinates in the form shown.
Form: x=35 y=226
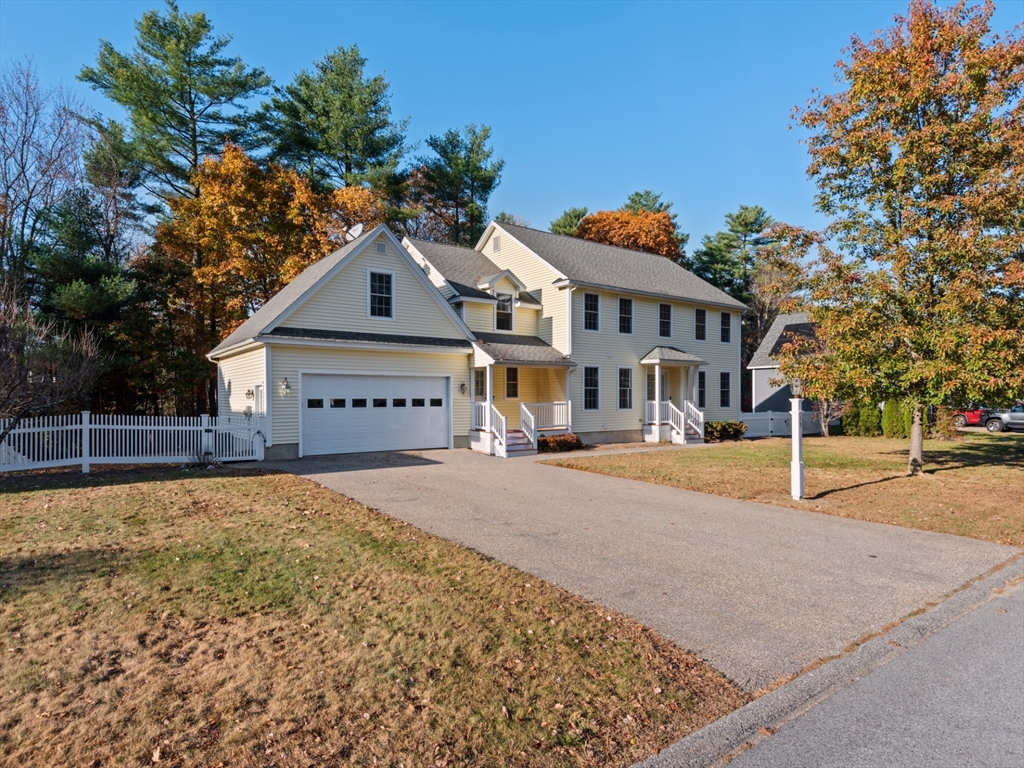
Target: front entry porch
x=668 y=414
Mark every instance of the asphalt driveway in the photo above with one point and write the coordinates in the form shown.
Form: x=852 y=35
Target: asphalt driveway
x=758 y=591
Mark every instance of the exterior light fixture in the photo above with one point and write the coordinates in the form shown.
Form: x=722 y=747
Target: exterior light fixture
x=249 y=394
x=285 y=387
x=462 y=387
x=796 y=480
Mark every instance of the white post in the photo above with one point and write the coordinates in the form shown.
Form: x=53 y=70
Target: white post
x=490 y=396
x=207 y=434
x=85 y=443
x=568 y=398
x=797 y=466
x=657 y=398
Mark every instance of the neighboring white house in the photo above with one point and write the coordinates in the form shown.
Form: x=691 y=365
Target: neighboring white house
x=764 y=365
x=388 y=345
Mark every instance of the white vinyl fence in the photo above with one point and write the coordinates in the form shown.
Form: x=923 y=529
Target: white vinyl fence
x=778 y=424
x=85 y=438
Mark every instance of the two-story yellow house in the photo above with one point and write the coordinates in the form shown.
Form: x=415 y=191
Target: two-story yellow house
x=388 y=345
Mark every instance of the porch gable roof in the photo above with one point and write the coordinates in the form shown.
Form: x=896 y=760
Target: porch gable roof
x=507 y=348
x=670 y=355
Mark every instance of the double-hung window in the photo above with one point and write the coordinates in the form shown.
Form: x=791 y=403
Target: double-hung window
x=700 y=324
x=665 y=321
x=625 y=389
x=511 y=383
x=702 y=380
x=724 y=390
x=503 y=312
x=726 y=327
x=381 y=294
x=480 y=384
x=625 y=315
x=591 y=382
x=591 y=312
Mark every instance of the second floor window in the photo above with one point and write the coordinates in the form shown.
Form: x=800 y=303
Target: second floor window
x=700 y=324
x=665 y=320
x=503 y=312
x=726 y=327
x=625 y=315
x=381 y=295
x=591 y=312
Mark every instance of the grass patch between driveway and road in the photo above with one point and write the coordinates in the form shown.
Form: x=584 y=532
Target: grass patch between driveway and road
x=246 y=618
x=972 y=487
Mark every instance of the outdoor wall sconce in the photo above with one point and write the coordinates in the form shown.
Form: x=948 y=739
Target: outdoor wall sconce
x=462 y=387
x=249 y=394
x=285 y=387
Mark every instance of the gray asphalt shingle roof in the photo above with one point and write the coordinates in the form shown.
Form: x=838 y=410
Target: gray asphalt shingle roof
x=780 y=334
x=377 y=338
x=583 y=261
x=672 y=354
x=462 y=267
x=284 y=298
x=509 y=348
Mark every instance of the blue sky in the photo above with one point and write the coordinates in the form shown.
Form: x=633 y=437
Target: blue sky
x=587 y=101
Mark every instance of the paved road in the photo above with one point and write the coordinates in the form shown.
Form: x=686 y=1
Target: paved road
x=758 y=591
x=956 y=699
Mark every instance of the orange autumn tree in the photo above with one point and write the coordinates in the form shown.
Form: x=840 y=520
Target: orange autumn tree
x=248 y=232
x=639 y=231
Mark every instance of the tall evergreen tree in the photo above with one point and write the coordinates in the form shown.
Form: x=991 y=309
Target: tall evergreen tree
x=183 y=95
x=334 y=124
x=568 y=222
x=728 y=258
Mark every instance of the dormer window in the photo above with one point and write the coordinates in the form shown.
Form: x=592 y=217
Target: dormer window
x=381 y=290
x=503 y=312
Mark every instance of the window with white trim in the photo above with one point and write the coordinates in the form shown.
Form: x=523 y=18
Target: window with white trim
x=625 y=315
x=591 y=312
x=702 y=398
x=726 y=327
x=381 y=294
x=625 y=389
x=511 y=383
x=700 y=324
x=665 y=321
x=503 y=312
x=724 y=390
x=591 y=388
x=480 y=384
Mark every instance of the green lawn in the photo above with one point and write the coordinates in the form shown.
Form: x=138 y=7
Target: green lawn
x=247 y=619
x=971 y=487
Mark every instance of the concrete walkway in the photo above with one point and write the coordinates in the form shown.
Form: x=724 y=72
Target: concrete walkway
x=758 y=591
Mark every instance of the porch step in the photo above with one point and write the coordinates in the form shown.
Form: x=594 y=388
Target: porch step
x=519 y=444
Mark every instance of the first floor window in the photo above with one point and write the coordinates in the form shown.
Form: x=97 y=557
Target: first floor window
x=725 y=390
x=650 y=383
x=665 y=320
x=380 y=294
x=702 y=389
x=726 y=327
x=511 y=383
x=700 y=324
x=480 y=384
x=625 y=388
x=503 y=312
x=625 y=315
x=591 y=379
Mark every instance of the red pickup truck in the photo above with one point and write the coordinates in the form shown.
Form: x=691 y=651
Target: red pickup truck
x=970 y=417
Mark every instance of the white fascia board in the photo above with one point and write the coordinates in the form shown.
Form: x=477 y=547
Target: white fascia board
x=494 y=279
x=245 y=345
x=566 y=283
x=481 y=357
x=371 y=346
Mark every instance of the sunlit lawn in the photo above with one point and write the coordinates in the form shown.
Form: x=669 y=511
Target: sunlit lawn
x=972 y=487
x=241 y=619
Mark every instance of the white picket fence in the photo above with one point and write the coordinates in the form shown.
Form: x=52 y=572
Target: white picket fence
x=778 y=424
x=86 y=438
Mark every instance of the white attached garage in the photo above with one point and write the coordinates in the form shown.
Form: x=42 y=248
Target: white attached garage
x=350 y=413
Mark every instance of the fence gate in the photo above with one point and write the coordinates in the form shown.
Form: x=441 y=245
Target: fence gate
x=85 y=438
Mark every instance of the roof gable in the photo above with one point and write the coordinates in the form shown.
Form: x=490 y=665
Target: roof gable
x=782 y=331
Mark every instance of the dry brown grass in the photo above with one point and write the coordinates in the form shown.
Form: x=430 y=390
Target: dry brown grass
x=972 y=487
x=159 y=616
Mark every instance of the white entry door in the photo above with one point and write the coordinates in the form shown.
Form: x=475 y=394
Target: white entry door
x=353 y=414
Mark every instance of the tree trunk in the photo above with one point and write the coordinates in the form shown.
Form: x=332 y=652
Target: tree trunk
x=916 y=465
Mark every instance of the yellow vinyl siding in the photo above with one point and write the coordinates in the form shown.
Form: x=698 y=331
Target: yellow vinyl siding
x=342 y=303
x=235 y=376
x=289 y=360
x=478 y=316
x=536 y=385
x=609 y=350
x=538 y=277
x=524 y=320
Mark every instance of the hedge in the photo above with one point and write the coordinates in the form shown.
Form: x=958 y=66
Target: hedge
x=559 y=443
x=717 y=431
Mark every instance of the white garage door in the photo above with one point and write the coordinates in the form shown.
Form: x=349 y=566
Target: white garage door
x=349 y=414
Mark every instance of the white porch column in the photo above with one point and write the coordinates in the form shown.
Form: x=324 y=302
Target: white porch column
x=657 y=394
x=568 y=397
x=490 y=396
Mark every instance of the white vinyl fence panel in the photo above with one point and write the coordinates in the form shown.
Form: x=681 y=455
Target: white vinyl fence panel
x=85 y=439
x=778 y=424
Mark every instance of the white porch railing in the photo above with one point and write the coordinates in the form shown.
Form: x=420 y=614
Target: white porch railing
x=85 y=439
x=528 y=423
x=655 y=415
x=677 y=421
x=480 y=411
x=550 y=416
x=694 y=417
x=498 y=427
